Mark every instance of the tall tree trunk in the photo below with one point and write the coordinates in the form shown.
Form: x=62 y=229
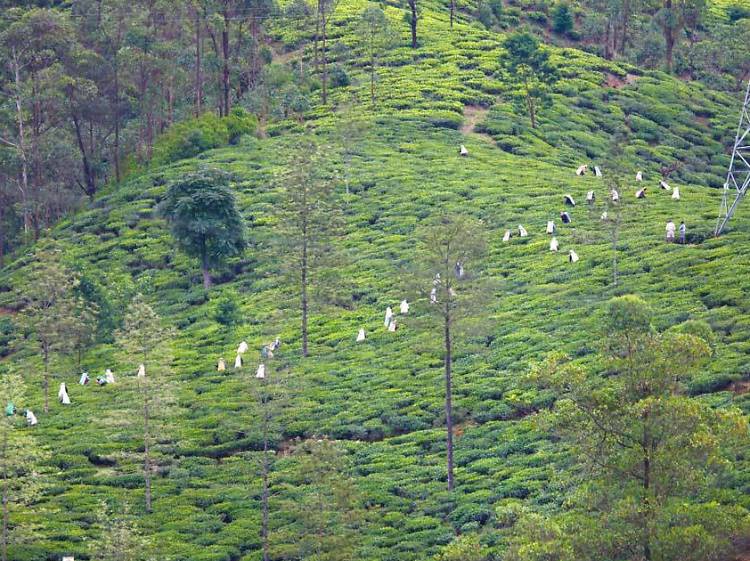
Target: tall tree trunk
x=225 y=56
x=146 y=445
x=24 y=188
x=45 y=353
x=449 y=391
x=205 y=269
x=266 y=468
x=625 y=24
x=413 y=23
x=324 y=57
x=304 y=282
x=2 y=235
x=669 y=36
x=646 y=530
x=5 y=495
x=453 y=11
x=316 y=50
x=88 y=172
x=198 y=66
x=530 y=106
x=116 y=148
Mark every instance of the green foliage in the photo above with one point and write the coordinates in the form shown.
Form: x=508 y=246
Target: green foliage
x=195 y=136
x=738 y=12
x=204 y=217
x=382 y=400
x=228 y=311
x=463 y=548
x=645 y=447
x=562 y=19
x=531 y=71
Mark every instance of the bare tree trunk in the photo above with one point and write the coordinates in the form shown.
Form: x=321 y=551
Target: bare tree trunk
x=225 y=56
x=205 y=269
x=669 y=37
x=146 y=445
x=5 y=496
x=2 y=235
x=646 y=530
x=324 y=57
x=88 y=172
x=264 y=524
x=449 y=391
x=198 y=68
x=316 y=53
x=118 y=173
x=45 y=352
x=453 y=11
x=413 y=23
x=304 y=279
x=21 y=144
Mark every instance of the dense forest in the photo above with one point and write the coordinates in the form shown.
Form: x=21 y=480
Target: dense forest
x=343 y=280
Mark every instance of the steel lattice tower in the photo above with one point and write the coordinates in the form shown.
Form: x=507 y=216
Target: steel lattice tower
x=738 y=177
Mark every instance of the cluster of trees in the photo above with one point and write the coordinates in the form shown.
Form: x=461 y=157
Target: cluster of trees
x=87 y=89
x=649 y=461
x=679 y=35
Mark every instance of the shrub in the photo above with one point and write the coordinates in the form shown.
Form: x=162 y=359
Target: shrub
x=192 y=137
x=562 y=19
x=227 y=311
x=339 y=76
x=737 y=12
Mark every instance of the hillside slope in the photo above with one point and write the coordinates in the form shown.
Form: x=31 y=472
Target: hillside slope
x=383 y=398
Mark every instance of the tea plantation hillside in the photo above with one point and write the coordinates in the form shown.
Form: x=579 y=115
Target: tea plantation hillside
x=382 y=399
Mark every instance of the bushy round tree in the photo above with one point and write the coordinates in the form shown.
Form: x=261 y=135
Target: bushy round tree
x=204 y=217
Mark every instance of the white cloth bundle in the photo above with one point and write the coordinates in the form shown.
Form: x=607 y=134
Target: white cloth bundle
x=597 y=171
x=261 y=373
x=639 y=176
x=590 y=196
x=604 y=215
x=433 y=296
x=31 y=418
x=550 y=227
x=222 y=366
x=242 y=348
x=582 y=169
x=676 y=194
x=84 y=379
x=522 y=231
x=392 y=326
x=404 y=309
x=109 y=376
x=506 y=237
x=142 y=371
x=664 y=185
x=62 y=394
x=361 y=336
x=572 y=256
x=553 y=245
x=569 y=200
x=238 y=361
x=615 y=195
x=388 y=316
x=463 y=151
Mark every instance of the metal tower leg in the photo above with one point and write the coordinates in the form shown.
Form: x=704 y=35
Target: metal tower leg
x=738 y=176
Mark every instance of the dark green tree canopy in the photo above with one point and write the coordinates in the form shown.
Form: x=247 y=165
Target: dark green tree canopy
x=205 y=220
x=529 y=69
